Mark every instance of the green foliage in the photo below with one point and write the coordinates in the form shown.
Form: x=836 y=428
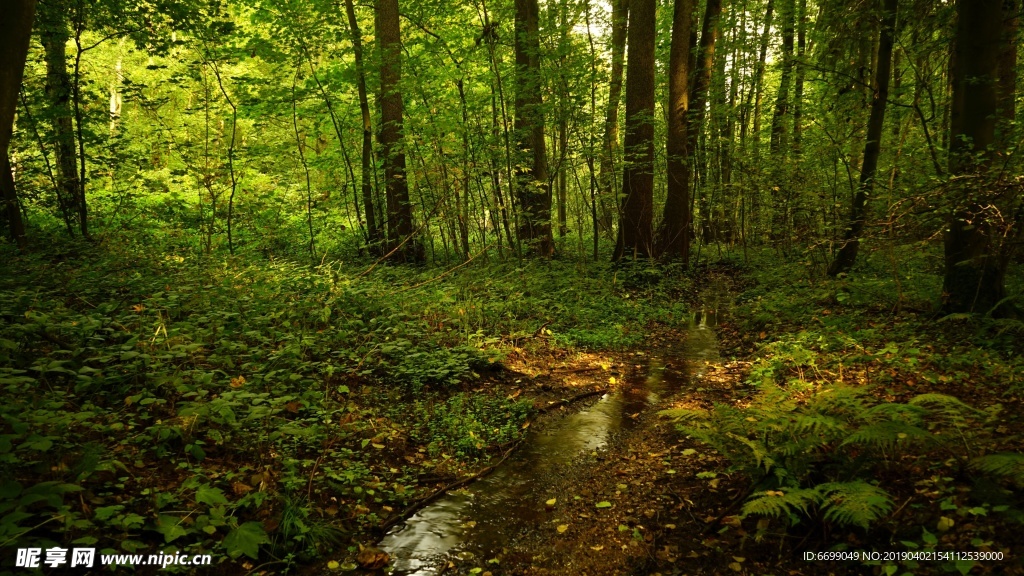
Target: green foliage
x=466 y=425
x=810 y=452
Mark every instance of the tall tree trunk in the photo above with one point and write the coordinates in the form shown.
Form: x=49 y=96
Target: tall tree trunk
x=54 y=33
x=777 y=144
x=851 y=241
x=401 y=244
x=1008 y=70
x=373 y=235
x=975 y=272
x=699 y=93
x=674 y=229
x=610 y=141
x=757 y=92
x=532 y=186
x=635 y=237
x=801 y=69
x=15 y=33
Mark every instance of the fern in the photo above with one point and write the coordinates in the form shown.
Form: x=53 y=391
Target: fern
x=1008 y=465
x=775 y=503
x=854 y=503
x=887 y=435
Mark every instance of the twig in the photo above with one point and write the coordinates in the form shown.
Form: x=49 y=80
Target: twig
x=568 y=401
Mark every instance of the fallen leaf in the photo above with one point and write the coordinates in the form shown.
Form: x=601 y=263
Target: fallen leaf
x=603 y=504
x=562 y=528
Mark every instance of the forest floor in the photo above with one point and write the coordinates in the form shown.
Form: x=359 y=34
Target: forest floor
x=280 y=418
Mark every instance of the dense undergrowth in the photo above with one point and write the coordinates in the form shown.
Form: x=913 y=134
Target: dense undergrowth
x=264 y=411
x=870 y=422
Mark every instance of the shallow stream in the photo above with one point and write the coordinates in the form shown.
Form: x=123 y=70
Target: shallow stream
x=482 y=518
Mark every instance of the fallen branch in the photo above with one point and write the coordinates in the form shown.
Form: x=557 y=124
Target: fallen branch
x=423 y=502
x=568 y=401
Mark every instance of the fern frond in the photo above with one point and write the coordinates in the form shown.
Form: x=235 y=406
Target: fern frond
x=1009 y=465
x=854 y=503
x=775 y=503
x=948 y=406
x=887 y=435
x=894 y=411
x=683 y=414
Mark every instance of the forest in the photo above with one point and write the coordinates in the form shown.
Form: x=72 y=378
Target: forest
x=496 y=287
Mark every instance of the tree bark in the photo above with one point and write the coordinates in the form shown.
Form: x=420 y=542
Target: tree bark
x=401 y=245
x=851 y=241
x=754 y=98
x=373 y=235
x=635 y=237
x=15 y=33
x=801 y=69
x=674 y=229
x=777 y=144
x=699 y=91
x=54 y=33
x=532 y=186
x=974 y=279
x=610 y=140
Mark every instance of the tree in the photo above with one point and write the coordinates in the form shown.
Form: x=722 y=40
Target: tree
x=787 y=13
x=975 y=264
x=635 y=237
x=366 y=172
x=851 y=240
x=15 y=32
x=674 y=230
x=401 y=244
x=610 y=138
x=54 y=33
x=532 y=187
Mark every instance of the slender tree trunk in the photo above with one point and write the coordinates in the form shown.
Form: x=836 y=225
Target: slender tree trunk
x=366 y=167
x=801 y=69
x=758 y=89
x=610 y=141
x=1008 y=71
x=777 y=143
x=699 y=96
x=674 y=229
x=15 y=33
x=401 y=244
x=53 y=30
x=635 y=237
x=851 y=241
x=532 y=185
x=975 y=273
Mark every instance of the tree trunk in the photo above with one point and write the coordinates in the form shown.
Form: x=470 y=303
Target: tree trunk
x=1008 y=71
x=15 y=33
x=851 y=242
x=975 y=272
x=373 y=235
x=757 y=92
x=532 y=186
x=53 y=31
x=798 y=90
x=674 y=229
x=610 y=141
x=635 y=237
x=699 y=92
x=777 y=144
x=402 y=246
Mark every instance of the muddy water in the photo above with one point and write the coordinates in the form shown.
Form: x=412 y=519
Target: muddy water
x=482 y=518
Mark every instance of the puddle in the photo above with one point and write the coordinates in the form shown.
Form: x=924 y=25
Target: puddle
x=479 y=520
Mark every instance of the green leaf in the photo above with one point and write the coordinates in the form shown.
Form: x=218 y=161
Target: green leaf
x=211 y=496
x=170 y=527
x=603 y=504
x=246 y=539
